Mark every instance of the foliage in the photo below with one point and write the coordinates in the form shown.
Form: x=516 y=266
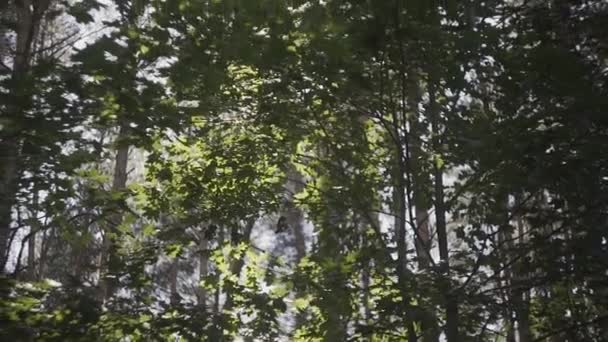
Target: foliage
x=304 y=170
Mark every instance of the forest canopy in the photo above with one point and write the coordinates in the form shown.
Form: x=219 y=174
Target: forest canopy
x=304 y=170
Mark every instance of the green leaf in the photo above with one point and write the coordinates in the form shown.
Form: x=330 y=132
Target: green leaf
x=144 y=49
x=301 y=303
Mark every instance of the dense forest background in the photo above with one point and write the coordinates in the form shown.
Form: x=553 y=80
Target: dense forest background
x=304 y=170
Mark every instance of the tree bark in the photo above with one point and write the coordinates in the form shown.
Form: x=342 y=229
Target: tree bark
x=31 y=243
x=451 y=303
x=400 y=213
x=203 y=269
x=29 y=14
x=8 y=189
x=236 y=265
x=293 y=214
x=295 y=220
x=522 y=296
x=173 y=279
x=422 y=237
x=109 y=259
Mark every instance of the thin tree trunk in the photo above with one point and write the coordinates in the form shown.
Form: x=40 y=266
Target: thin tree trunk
x=8 y=189
x=515 y=294
x=293 y=214
x=422 y=235
x=31 y=243
x=29 y=14
x=295 y=220
x=522 y=296
x=218 y=290
x=216 y=331
x=109 y=261
x=120 y=167
x=366 y=273
x=400 y=212
x=173 y=279
x=451 y=303
x=237 y=264
x=365 y=285
x=42 y=255
x=31 y=255
x=203 y=269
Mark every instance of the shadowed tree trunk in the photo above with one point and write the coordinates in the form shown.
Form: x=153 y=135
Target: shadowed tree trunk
x=421 y=186
x=109 y=258
x=173 y=280
x=421 y=183
x=237 y=264
x=400 y=213
x=203 y=269
x=294 y=215
x=218 y=290
x=295 y=221
x=521 y=297
x=451 y=303
x=31 y=243
x=29 y=14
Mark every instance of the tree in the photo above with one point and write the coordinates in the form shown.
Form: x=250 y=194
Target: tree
x=446 y=156
x=28 y=17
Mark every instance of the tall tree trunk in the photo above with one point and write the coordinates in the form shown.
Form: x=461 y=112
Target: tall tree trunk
x=31 y=254
x=43 y=259
x=294 y=216
x=109 y=259
x=365 y=286
x=421 y=188
x=29 y=14
x=218 y=290
x=400 y=213
x=216 y=333
x=203 y=269
x=173 y=280
x=8 y=188
x=373 y=219
x=31 y=243
x=451 y=303
x=515 y=293
x=237 y=264
x=522 y=296
x=120 y=167
x=295 y=220
x=422 y=237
